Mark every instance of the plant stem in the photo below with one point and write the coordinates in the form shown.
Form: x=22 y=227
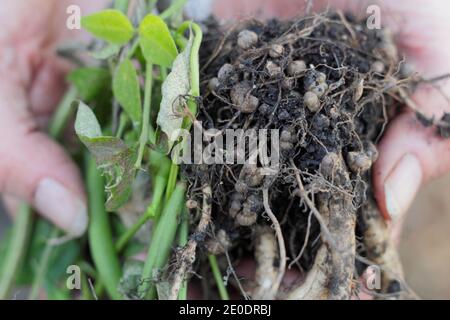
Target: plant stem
x=174 y=8
x=172 y=181
x=133 y=49
x=182 y=241
x=100 y=235
x=159 y=185
x=146 y=116
x=62 y=113
x=162 y=240
x=152 y=211
x=163 y=73
x=151 y=5
x=15 y=252
x=121 y=5
x=218 y=277
x=43 y=265
x=194 y=61
x=194 y=67
x=123 y=121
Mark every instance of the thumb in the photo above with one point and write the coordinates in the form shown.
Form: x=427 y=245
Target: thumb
x=410 y=156
x=36 y=169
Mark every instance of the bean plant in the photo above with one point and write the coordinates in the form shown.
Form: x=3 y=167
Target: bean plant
x=141 y=84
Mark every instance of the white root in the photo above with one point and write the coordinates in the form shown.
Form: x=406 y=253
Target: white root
x=265 y=256
x=315 y=285
x=281 y=244
x=188 y=253
x=332 y=273
x=382 y=253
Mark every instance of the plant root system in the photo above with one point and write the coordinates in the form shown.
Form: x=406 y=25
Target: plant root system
x=328 y=86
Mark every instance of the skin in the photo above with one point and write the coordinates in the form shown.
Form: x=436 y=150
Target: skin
x=31 y=83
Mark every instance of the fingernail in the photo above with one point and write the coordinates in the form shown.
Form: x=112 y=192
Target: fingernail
x=61 y=206
x=402 y=185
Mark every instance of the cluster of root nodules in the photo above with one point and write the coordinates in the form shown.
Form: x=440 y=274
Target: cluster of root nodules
x=329 y=85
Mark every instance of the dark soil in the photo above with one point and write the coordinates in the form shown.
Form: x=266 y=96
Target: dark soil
x=330 y=86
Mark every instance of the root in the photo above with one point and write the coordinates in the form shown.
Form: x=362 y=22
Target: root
x=326 y=148
x=315 y=285
x=266 y=273
x=188 y=253
x=332 y=273
x=305 y=243
x=301 y=191
x=382 y=253
x=281 y=245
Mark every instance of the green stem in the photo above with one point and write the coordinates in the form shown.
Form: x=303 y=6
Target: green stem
x=151 y=5
x=43 y=266
x=172 y=181
x=194 y=60
x=121 y=5
x=182 y=241
x=162 y=241
x=15 y=252
x=146 y=116
x=152 y=211
x=163 y=73
x=123 y=122
x=218 y=277
x=133 y=49
x=159 y=186
x=194 y=67
x=174 y=8
x=62 y=113
x=100 y=235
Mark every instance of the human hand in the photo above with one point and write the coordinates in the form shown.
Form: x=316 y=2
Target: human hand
x=410 y=154
x=33 y=167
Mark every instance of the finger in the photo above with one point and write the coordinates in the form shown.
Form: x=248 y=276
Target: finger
x=238 y=9
x=47 y=87
x=36 y=169
x=410 y=155
x=11 y=204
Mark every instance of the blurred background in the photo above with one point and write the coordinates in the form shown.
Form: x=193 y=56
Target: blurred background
x=425 y=241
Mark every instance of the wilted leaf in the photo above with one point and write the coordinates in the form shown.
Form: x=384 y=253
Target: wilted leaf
x=131 y=279
x=163 y=289
x=156 y=42
x=126 y=90
x=90 y=82
x=109 y=25
x=175 y=86
x=113 y=157
x=86 y=124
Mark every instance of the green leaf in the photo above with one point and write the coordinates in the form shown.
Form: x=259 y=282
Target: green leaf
x=127 y=91
x=90 y=82
x=109 y=25
x=113 y=157
x=156 y=42
x=175 y=86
